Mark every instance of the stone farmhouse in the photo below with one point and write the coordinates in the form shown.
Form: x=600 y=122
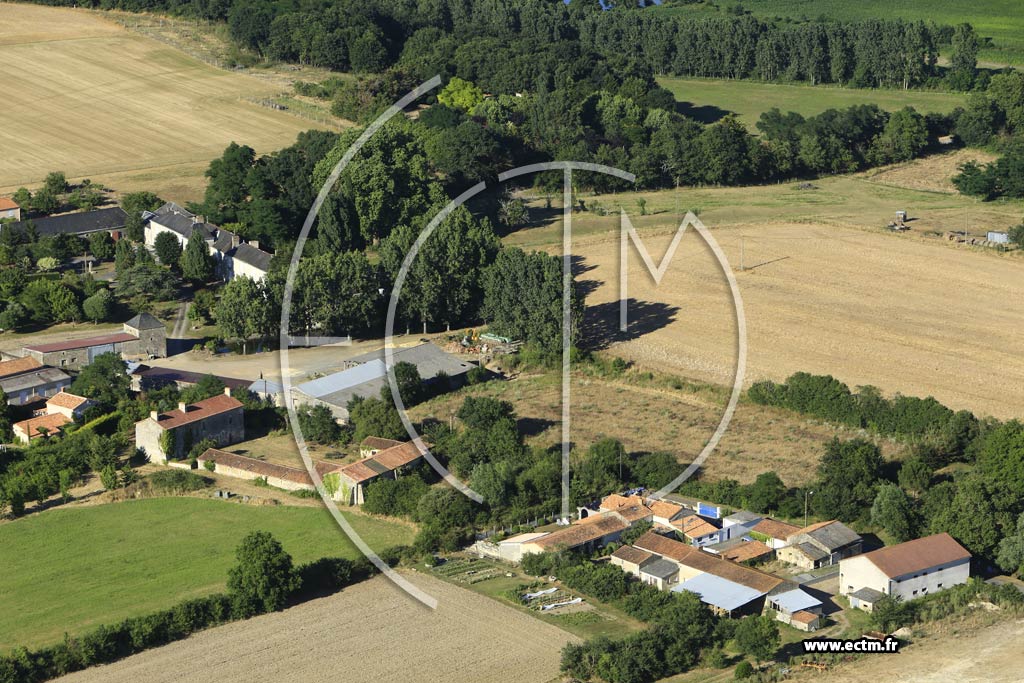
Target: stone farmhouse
x=234 y=257
x=908 y=570
x=9 y=209
x=171 y=435
x=142 y=337
x=821 y=544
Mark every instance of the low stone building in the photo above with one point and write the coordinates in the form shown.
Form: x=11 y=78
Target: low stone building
x=172 y=435
x=821 y=544
x=142 y=337
x=348 y=483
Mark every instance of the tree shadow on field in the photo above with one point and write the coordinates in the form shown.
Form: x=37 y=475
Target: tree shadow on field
x=533 y=426
x=601 y=322
x=705 y=113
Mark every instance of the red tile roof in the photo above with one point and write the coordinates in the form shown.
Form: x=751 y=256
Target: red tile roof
x=628 y=553
x=6 y=204
x=378 y=443
x=254 y=466
x=615 y=501
x=664 y=509
x=706 y=562
x=200 y=410
x=359 y=472
x=51 y=423
x=82 y=343
x=804 y=617
x=63 y=399
x=746 y=551
x=398 y=456
x=18 y=366
x=695 y=527
x=577 y=534
x=775 y=529
x=917 y=555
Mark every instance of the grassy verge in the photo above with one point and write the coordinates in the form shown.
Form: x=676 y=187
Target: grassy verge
x=70 y=570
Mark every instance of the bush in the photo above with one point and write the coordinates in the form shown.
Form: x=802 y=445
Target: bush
x=743 y=670
x=176 y=482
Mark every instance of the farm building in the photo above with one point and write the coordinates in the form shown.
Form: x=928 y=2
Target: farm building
x=142 y=337
x=631 y=560
x=234 y=257
x=660 y=573
x=111 y=219
x=821 y=544
x=372 y=445
x=665 y=512
x=908 y=570
x=348 y=483
x=586 y=534
x=68 y=405
x=998 y=237
x=727 y=587
x=772 y=532
x=243 y=467
x=739 y=524
x=797 y=608
x=266 y=390
x=171 y=435
x=26 y=380
x=697 y=531
x=368 y=377
x=511 y=548
x=741 y=550
x=37 y=427
x=145 y=377
x=9 y=210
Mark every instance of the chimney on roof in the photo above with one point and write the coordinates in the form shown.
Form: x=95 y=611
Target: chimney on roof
x=154 y=415
x=227 y=391
x=234 y=239
x=254 y=243
x=182 y=407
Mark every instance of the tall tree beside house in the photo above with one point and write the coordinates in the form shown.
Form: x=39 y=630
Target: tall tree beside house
x=849 y=472
x=263 y=578
x=134 y=203
x=101 y=245
x=103 y=380
x=5 y=419
x=893 y=511
x=99 y=306
x=196 y=262
x=758 y=636
x=168 y=249
x=124 y=257
x=227 y=190
x=64 y=304
x=243 y=311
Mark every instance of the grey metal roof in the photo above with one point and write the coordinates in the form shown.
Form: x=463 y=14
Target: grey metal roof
x=661 y=569
x=741 y=516
x=718 y=592
x=869 y=595
x=246 y=253
x=340 y=381
x=31 y=380
x=265 y=386
x=82 y=223
x=428 y=359
x=834 y=536
x=144 y=321
x=795 y=600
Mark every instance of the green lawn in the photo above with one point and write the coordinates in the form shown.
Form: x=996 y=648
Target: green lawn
x=69 y=570
x=708 y=100
x=1000 y=20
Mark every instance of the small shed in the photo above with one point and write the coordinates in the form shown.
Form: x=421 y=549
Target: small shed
x=865 y=598
x=998 y=237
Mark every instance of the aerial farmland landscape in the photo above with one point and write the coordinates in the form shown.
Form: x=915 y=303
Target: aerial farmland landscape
x=552 y=342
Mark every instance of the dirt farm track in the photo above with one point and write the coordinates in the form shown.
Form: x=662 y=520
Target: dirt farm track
x=369 y=633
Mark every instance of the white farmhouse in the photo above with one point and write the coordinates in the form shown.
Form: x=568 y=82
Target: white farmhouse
x=908 y=570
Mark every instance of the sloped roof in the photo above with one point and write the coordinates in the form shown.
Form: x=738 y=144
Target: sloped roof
x=831 y=534
x=7 y=203
x=615 y=501
x=664 y=509
x=795 y=600
x=82 y=343
x=718 y=591
x=917 y=555
x=111 y=218
x=660 y=545
x=18 y=366
x=706 y=562
x=382 y=462
x=51 y=423
x=181 y=221
x=577 y=534
x=266 y=386
x=63 y=399
x=745 y=551
x=775 y=529
x=810 y=551
x=35 y=378
x=804 y=617
x=158 y=376
x=323 y=387
x=428 y=358
x=869 y=595
x=628 y=553
x=661 y=569
x=695 y=527
x=198 y=411
x=377 y=443
x=256 y=467
x=257 y=258
x=144 y=321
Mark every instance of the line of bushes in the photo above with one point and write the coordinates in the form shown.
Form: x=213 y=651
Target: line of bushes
x=109 y=643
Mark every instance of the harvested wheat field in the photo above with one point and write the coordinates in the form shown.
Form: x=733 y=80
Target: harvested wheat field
x=369 y=633
x=94 y=100
x=931 y=174
x=906 y=314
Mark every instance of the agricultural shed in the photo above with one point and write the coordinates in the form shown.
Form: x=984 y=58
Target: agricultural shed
x=724 y=596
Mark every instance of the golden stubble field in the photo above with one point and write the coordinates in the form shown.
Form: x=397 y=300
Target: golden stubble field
x=88 y=97
x=905 y=314
x=369 y=633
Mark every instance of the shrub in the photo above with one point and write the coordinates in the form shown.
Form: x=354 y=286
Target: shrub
x=174 y=481
x=743 y=670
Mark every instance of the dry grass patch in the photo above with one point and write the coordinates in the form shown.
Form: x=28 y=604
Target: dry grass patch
x=931 y=174
x=95 y=100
